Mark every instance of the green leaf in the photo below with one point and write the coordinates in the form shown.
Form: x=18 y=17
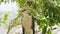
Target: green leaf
x=0 y=19
x=5 y=18
x=1 y=1
x=44 y=30
x=19 y=12
x=49 y=31
x=37 y=1
x=21 y=3
x=41 y=23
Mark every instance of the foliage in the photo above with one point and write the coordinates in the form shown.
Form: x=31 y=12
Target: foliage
x=48 y=11
x=5 y=17
x=4 y=20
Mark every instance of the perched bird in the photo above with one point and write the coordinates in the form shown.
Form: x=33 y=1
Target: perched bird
x=27 y=22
